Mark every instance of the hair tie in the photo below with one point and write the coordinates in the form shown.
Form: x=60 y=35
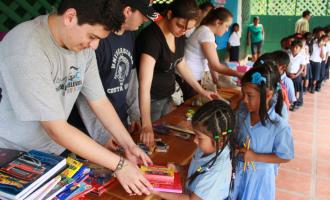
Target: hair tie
x=258 y=79
x=278 y=87
x=261 y=61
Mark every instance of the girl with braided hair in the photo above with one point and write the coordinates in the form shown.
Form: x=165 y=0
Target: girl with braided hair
x=263 y=136
x=210 y=170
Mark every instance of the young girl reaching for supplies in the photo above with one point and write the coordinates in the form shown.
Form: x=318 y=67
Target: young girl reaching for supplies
x=264 y=137
x=210 y=170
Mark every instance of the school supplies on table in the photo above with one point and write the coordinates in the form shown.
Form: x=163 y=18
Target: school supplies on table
x=161 y=146
x=158 y=173
x=161 y=129
x=163 y=179
x=99 y=178
x=184 y=136
x=23 y=175
x=177 y=128
x=70 y=177
x=145 y=148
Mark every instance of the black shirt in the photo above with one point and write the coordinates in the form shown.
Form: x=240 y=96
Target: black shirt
x=115 y=61
x=152 y=41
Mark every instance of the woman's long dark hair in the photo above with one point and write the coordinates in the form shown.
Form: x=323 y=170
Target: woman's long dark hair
x=268 y=70
x=213 y=119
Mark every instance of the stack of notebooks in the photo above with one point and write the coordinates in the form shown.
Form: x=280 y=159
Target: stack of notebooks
x=163 y=179
x=36 y=175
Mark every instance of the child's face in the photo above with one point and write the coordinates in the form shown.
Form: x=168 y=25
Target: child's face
x=282 y=69
x=251 y=97
x=236 y=28
x=204 y=142
x=295 y=49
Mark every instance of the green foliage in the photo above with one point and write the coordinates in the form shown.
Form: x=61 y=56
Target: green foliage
x=290 y=7
x=14 y=12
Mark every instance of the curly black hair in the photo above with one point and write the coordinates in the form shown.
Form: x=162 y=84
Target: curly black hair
x=217 y=120
x=103 y=12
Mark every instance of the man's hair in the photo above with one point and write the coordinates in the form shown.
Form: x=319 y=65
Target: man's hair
x=306 y=13
x=103 y=12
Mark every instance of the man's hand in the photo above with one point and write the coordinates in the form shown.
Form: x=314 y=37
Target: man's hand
x=137 y=155
x=132 y=180
x=135 y=127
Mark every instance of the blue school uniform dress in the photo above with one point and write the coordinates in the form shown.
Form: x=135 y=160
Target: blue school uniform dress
x=272 y=138
x=215 y=183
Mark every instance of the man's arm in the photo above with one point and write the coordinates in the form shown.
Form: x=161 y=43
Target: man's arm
x=132 y=98
x=74 y=140
x=71 y=138
x=147 y=65
x=105 y=112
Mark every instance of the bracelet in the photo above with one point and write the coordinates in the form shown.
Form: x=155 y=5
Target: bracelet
x=120 y=165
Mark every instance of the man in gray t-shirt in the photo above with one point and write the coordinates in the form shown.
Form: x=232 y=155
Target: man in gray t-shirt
x=45 y=64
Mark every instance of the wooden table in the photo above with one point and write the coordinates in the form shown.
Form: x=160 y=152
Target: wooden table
x=180 y=151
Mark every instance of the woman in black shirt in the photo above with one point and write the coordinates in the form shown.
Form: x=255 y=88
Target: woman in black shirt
x=160 y=49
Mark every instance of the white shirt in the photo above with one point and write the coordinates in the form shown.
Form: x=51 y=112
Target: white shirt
x=194 y=55
x=296 y=62
x=306 y=52
x=316 y=55
x=234 y=40
x=328 y=48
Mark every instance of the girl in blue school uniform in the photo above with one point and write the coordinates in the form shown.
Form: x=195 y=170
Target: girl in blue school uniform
x=210 y=169
x=263 y=136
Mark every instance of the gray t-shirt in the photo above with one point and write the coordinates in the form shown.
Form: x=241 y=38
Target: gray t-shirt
x=40 y=82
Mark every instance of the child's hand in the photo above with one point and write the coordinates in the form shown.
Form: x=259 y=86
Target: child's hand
x=248 y=155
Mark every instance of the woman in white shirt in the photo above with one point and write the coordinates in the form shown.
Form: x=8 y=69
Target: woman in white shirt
x=234 y=43
x=201 y=49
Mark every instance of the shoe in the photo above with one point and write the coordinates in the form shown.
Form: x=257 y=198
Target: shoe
x=312 y=90
x=299 y=104
x=304 y=90
x=318 y=89
x=292 y=107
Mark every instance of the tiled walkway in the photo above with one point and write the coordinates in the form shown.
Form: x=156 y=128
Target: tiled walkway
x=308 y=175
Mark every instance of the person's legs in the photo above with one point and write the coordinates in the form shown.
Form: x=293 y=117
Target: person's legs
x=156 y=108
x=168 y=107
x=322 y=74
x=234 y=54
x=254 y=51
x=317 y=75
x=300 y=91
x=327 y=65
x=307 y=77
x=259 y=49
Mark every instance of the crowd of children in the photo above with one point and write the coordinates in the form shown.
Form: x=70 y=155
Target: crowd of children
x=309 y=64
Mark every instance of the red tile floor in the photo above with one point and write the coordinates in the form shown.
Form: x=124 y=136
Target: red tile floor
x=308 y=175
